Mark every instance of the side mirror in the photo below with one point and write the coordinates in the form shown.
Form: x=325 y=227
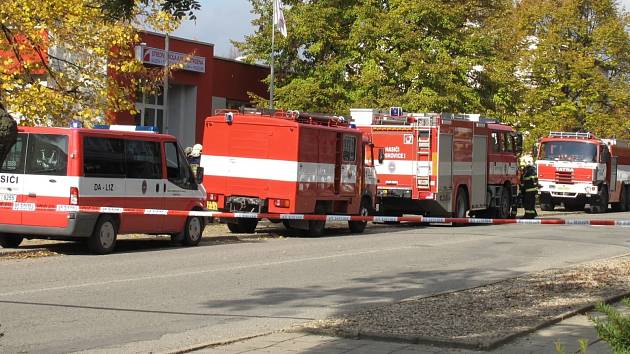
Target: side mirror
x=381 y=156
x=199 y=175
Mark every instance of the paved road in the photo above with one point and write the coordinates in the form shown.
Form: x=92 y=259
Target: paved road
x=151 y=297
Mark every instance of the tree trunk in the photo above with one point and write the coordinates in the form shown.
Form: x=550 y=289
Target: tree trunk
x=8 y=133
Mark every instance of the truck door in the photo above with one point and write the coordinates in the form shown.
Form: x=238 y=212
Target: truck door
x=46 y=179
x=348 y=169
x=445 y=172
x=12 y=181
x=479 y=171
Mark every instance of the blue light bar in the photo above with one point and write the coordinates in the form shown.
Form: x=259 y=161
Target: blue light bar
x=130 y=128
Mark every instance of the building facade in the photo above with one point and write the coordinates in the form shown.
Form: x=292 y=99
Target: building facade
x=205 y=84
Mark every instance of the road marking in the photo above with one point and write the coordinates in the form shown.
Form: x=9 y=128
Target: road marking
x=213 y=270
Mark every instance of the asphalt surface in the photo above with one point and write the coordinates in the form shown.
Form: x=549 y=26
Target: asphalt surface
x=152 y=297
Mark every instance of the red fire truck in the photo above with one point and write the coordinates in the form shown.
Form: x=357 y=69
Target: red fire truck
x=578 y=168
x=443 y=164
x=287 y=162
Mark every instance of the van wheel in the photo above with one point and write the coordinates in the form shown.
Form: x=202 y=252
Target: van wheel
x=504 y=210
x=103 y=239
x=10 y=241
x=601 y=202
x=358 y=227
x=193 y=231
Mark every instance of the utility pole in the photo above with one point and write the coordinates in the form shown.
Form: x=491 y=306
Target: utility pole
x=165 y=90
x=273 y=50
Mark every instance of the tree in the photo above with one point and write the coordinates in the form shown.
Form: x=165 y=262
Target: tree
x=126 y=9
x=568 y=63
x=422 y=55
x=58 y=59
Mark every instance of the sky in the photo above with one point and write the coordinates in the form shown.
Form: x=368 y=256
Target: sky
x=219 y=21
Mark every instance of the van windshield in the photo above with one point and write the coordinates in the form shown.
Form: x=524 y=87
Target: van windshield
x=569 y=151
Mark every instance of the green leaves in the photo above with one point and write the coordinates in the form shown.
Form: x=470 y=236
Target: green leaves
x=538 y=64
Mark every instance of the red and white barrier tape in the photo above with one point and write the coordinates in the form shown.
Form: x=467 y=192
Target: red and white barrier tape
x=31 y=207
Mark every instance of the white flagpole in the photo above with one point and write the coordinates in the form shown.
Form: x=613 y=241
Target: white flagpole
x=273 y=45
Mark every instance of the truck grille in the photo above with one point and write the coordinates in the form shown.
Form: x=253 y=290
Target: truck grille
x=564 y=177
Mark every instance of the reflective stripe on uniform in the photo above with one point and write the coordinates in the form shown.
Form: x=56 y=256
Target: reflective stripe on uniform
x=531 y=190
x=528 y=178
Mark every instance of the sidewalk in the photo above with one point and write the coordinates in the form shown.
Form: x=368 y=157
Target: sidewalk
x=541 y=342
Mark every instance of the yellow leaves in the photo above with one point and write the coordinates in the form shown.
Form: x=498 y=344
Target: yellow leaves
x=88 y=67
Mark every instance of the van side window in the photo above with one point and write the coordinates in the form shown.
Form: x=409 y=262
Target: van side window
x=103 y=157
x=349 y=148
x=178 y=171
x=14 y=162
x=47 y=154
x=143 y=159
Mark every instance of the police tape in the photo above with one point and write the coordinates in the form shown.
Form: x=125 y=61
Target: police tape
x=32 y=207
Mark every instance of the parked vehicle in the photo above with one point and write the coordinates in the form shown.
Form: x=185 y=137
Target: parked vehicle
x=287 y=162
x=439 y=164
x=576 y=169
x=100 y=168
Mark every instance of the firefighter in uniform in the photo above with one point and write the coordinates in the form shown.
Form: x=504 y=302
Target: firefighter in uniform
x=529 y=190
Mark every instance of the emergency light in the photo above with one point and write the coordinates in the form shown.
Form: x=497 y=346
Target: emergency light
x=76 y=124
x=396 y=111
x=129 y=128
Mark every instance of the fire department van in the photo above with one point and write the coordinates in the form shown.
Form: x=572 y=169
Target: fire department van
x=443 y=164
x=579 y=168
x=285 y=163
x=97 y=168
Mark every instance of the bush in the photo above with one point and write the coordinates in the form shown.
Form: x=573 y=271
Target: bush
x=614 y=328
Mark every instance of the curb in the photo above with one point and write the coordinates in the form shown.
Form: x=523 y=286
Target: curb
x=435 y=341
x=215 y=344
x=14 y=252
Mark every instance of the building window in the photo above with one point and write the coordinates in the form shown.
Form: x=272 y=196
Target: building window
x=150 y=108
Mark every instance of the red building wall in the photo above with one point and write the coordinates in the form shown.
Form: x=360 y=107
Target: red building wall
x=233 y=79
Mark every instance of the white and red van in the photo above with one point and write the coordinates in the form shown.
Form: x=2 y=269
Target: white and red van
x=99 y=168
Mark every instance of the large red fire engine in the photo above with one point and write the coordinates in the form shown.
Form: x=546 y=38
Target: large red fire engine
x=443 y=164
x=578 y=168
x=287 y=162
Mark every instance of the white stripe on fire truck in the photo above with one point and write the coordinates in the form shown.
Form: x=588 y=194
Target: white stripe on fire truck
x=275 y=170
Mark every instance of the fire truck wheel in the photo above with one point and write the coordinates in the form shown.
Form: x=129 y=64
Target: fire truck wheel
x=247 y=226
x=315 y=228
x=504 y=211
x=622 y=205
x=193 y=231
x=234 y=228
x=358 y=227
x=574 y=205
x=546 y=203
x=10 y=241
x=461 y=204
x=600 y=204
x=103 y=239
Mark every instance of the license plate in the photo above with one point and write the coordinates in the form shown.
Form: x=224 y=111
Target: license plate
x=8 y=197
x=563 y=188
x=212 y=206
